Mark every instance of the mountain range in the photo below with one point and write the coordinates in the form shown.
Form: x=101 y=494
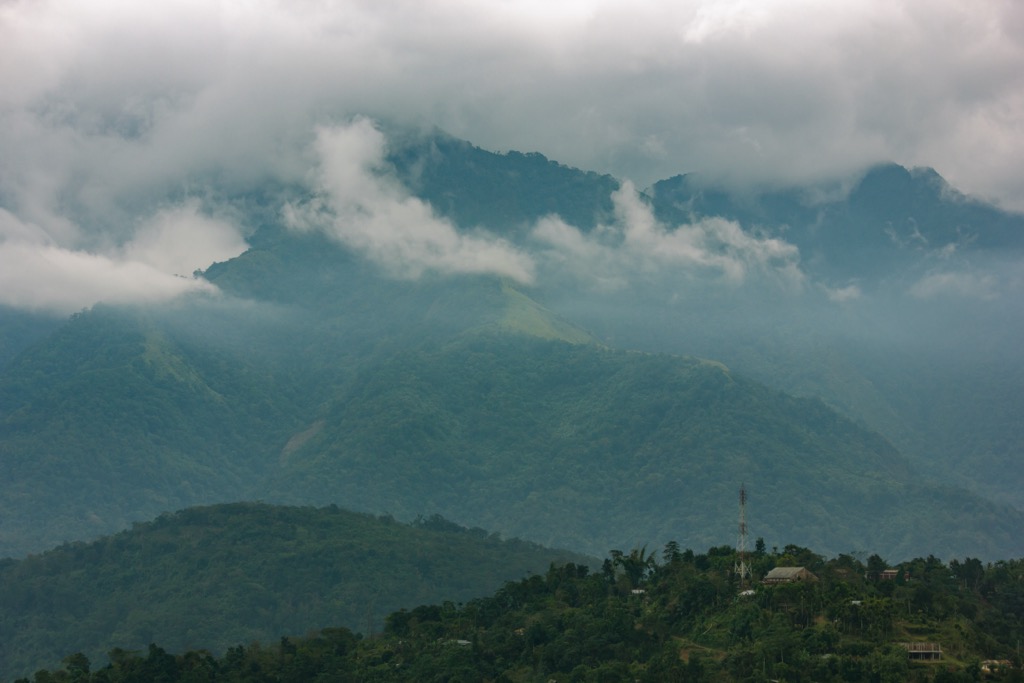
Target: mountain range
x=551 y=354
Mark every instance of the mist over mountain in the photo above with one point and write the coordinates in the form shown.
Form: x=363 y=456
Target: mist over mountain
x=889 y=295
x=423 y=326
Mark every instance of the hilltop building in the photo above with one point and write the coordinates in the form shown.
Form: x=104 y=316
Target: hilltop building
x=788 y=575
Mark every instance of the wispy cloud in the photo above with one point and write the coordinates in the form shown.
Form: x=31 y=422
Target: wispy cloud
x=957 y=285
x=361 y=206
x=50 y=278
x=181 y=239
x=109 y=107
x=851 y=292
x=39 y=273
x=636 y=245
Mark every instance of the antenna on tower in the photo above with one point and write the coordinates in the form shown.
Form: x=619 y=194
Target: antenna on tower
x=742 y=568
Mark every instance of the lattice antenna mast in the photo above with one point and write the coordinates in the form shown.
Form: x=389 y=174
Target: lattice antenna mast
x=742 y=568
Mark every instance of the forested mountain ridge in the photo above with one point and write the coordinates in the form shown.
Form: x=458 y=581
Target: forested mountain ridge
x=568 y=444
x=577 y=446
x=506 y=193
x=906 y=314
x=213 y=577
x=889 y=219
x=865 y=228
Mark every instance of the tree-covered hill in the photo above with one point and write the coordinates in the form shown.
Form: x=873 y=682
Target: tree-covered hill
x=460 y=396
x=579 y=446
x=122 y=414
x=678 y=617
x=117 y=418
x=213 y=577
x=908 y=320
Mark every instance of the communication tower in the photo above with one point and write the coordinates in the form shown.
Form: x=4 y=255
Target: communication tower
x=742 y=568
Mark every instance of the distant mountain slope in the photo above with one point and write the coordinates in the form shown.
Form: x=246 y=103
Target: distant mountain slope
x=890 y=217
x=944 y=387
x=115 y=419
x=124 y=414
x=225 y=575
x=349 y=304
x=471 y=403
x=908 y=318
x=20 y=329
x=587 y=448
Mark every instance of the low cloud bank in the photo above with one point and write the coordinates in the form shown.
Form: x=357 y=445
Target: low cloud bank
x=50 y=262
x=54 y=279
x=38 y=272
x=637 y=246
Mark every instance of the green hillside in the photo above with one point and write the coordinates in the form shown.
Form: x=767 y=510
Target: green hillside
x=677 y=617
x=460 y=397
x=584 y=447
x=123 y=414
x=21 y=329
x=213 y=577
x=937 y=374
x=119 y=417
x=946 y=392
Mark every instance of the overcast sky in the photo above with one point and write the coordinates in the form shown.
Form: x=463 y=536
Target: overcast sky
x=107 y=105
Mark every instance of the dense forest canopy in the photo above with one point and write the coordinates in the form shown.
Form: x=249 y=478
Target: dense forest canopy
x=654 y=616
x=211 y=577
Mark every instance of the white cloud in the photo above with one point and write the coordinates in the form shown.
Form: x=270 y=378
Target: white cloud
x=181 y=240
x=638 y=245
x=961 y=285
x=14 y=229
x=851 y=292
x=110 y=106
x=49 y=278
x=789 y=89
x=38 y=273
x=360 y=206
x=582 y=257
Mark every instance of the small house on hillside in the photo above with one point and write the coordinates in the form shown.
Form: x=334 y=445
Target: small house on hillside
x=923 y=651
x=991 y=667
x=885 y=575
x=788 y=575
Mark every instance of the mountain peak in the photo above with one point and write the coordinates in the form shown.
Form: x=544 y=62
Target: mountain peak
x=523 y=315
